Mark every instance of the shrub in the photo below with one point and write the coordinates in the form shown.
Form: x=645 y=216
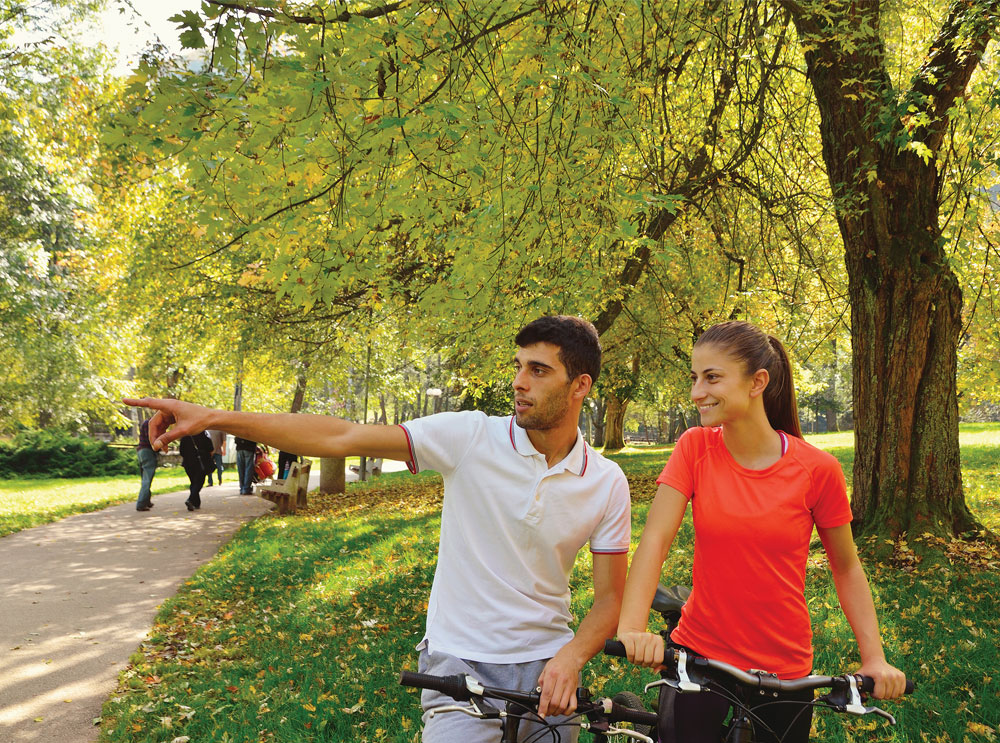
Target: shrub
x=58 y=454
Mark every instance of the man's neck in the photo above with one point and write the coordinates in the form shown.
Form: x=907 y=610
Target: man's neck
x=554 y=443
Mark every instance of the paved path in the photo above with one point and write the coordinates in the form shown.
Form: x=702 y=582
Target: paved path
x=78 y=596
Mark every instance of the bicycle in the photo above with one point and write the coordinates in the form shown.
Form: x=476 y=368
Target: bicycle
x=597 y=716
x=690 y=673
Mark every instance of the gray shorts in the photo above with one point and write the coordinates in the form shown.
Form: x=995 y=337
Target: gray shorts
x=456 y=727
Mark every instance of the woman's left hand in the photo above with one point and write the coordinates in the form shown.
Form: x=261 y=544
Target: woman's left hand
x=890 y=682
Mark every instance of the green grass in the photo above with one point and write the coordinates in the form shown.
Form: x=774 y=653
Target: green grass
x=32 y=502
x=298 y=629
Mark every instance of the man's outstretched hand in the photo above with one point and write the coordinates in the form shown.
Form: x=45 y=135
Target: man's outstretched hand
x=185 y=418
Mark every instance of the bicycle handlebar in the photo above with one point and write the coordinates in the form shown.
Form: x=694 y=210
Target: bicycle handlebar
x=464 y=688
x=753 y=680
x=453 y=686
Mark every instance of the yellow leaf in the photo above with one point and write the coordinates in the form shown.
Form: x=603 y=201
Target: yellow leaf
x=309 y=707
x=980 y=729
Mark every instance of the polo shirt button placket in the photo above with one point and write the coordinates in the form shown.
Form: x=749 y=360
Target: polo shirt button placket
x=535 y=507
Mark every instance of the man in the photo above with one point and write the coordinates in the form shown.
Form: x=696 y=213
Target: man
x=147 y=468
x=246 y=452
x=523 y=494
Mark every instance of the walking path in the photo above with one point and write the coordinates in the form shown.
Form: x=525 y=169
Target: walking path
x=78 y=596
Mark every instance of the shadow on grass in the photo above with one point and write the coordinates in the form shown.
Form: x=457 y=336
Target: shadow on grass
x=296 y=632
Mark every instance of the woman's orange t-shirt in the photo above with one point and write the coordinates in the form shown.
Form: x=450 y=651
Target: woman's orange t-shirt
x=752 y=532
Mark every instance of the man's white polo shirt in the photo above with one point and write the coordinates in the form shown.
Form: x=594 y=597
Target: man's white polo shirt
x=511 y=529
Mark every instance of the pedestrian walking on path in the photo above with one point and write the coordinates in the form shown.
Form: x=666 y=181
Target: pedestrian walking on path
x=78 y=596
x=147 y=468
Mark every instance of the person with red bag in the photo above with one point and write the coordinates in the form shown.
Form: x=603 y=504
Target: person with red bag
x=263 y=467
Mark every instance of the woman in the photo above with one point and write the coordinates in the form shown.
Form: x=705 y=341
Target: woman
x=756 y=491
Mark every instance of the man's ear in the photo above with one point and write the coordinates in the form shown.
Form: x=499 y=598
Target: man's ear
x=581 y=386
x=759 y=382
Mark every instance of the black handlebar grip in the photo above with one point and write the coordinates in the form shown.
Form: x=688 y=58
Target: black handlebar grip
x=453 y=686
x=867 y=685
x=616 y=648
x=621 y=713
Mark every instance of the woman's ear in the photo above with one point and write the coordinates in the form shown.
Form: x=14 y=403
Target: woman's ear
x=758 y=382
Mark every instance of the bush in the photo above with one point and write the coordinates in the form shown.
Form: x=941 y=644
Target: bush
x=57 y=454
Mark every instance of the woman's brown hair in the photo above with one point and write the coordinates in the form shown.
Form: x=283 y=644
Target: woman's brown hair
x=758 y=350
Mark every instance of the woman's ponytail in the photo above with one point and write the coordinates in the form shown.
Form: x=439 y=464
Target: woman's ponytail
x=779 y=396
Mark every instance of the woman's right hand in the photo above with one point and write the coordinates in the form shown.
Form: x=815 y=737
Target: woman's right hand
x=643 y=648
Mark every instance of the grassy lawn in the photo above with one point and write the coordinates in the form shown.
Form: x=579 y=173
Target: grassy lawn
x=298 y=629
x=29 y=502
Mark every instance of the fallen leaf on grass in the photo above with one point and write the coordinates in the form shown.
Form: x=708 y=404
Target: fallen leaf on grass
x=980 y=729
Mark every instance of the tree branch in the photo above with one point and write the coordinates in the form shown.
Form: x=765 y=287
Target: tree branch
x=953 y=57
x=378 y=12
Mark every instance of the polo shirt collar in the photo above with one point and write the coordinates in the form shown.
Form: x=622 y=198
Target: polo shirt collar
x=575 y=461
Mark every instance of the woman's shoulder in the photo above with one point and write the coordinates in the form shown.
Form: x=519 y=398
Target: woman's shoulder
x=814 y=457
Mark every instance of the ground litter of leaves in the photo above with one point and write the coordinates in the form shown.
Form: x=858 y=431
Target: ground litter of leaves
x=298 y=629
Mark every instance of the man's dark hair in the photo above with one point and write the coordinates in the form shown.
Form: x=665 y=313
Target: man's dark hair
x=578 y=342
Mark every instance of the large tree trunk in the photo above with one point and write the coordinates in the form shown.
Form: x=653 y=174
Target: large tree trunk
x=905 y=324
x=614 y=434
x=905 y=301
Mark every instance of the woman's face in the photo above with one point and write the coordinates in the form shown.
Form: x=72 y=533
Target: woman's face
x=720 y=385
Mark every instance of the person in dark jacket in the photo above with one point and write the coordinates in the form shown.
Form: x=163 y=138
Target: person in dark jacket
x=245 y=451
x=196 y=456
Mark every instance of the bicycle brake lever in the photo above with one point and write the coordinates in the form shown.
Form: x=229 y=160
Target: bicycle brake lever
x=881 y=713
x=478 y=708
x=683 y=684
x=629 y=734
x=849 y=700
x=471 y=711
x=665 y=682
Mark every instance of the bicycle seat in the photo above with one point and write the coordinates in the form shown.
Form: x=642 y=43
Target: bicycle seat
x=670 y=599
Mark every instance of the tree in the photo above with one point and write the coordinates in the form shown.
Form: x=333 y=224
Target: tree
x=475 y=164
x=59 y=364
x=882 y=145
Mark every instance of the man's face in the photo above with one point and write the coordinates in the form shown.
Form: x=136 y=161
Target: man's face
x=542 y=387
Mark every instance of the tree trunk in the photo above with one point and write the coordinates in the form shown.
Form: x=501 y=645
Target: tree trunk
x=614 y=435
x=599 y=417
x=905 y=301
x=678 y=424
x=300 y=389
x=831 y=391
x=831 y=421
x=906 y=318
x=331 y=475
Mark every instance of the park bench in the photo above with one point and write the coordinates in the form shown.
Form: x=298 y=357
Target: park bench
x=373 y=468
x=288 y=494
